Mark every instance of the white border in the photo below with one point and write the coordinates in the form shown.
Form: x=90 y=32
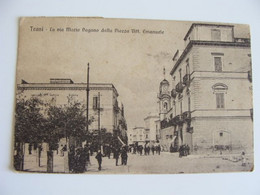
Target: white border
x=233 y=11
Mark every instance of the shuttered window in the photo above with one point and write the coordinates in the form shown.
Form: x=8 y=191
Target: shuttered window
x=95 y=103
x=218 y=64
x=220 y=100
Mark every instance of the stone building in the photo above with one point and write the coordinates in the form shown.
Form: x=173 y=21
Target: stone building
x=151 y=128
x=138 y=135
x=60 y=91
x=209 y=106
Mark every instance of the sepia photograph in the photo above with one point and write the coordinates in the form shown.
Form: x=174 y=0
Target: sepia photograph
x=132 y=96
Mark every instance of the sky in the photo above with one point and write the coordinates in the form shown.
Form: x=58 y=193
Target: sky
x=133 y=62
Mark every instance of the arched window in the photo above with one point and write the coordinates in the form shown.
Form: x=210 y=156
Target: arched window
x=220 y=89
x=165 y=105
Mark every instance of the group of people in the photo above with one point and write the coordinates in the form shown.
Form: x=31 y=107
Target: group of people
x=79 y=158
x=184 y=150
x=117 y=152
x=146 y=149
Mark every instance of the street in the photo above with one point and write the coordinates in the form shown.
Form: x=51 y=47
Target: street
x=166 y=163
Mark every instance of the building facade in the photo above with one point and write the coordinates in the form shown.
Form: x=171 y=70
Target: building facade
x=151 y=128
x=209 y=106
x=138 y=136
x=61 y=91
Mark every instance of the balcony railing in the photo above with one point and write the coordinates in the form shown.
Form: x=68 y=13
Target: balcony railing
x=179 y=87
x=168 y=123
x=173 y=93
x=186 y=79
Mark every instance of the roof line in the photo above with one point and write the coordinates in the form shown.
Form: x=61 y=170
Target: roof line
x=205 y=24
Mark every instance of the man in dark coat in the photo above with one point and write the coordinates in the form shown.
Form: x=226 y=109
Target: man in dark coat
x=159 y=149
x=116 y=154
x=153 y=149
x=99 y=159
x=124 y=156
x=72 y=158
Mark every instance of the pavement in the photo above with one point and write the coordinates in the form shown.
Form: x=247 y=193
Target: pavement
x=166 y=163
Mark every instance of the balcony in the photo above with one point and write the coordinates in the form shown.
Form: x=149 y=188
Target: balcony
x=250 y=75
x=173 y=93
x=187 y=116
x=252 y=113
x=186 y=79
x=179 y=119
x=179 y=87
x=190 y=129
x=168 y=123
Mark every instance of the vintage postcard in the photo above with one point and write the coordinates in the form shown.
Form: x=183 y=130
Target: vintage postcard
x=127 y=96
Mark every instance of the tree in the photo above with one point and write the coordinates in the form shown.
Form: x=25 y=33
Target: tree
x=29 y=121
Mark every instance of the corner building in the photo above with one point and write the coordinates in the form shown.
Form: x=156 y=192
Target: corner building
x=60 y=91
x=210 y=102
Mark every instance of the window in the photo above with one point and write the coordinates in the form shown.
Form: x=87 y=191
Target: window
x=218 y=64
x=165 y=105
x=221 y=134
x=220 y=89
x=215 y=35
x=220 y=100
x=95 y=102
x=146 y=136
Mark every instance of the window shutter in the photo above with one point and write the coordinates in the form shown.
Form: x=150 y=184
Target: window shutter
x=218 y=64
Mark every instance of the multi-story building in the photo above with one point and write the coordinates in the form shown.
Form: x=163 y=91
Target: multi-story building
x=210 y=103
x=138 y=135
x=60 y=91
x=151 y=128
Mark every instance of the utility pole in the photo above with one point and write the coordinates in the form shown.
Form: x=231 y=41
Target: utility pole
x=99 y=119
x=87 y=96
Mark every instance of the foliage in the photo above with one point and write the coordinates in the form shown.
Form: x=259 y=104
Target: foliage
x=38 y=122
x=29 y=121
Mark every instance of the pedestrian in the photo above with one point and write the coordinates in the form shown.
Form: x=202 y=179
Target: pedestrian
x=99 y=159
x=71 y=158
x=184 y=150
x=61 y=151
x=188 y=149
x=116 y=154
x=124 y=156
x=152 y=148
x=181 y=151
x=108 y=151
x=85 y=157
x=82 y=160
x=77 y=165
x=30 y=148
x=159 y=149
x=141 y=150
